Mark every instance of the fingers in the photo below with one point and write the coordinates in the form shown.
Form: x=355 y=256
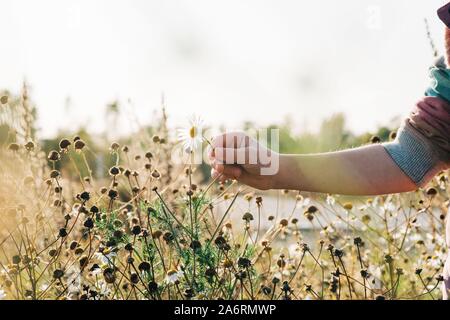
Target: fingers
x=226 y=172
x=231 y=140
x=447 y=45
x=231 y=155
x=233 y=172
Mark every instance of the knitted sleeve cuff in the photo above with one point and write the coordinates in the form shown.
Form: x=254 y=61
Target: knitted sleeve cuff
x=414 y=155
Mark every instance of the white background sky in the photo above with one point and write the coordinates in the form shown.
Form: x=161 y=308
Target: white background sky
x=228 y=61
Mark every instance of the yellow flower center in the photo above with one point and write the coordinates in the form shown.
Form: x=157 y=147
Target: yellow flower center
x=193 y=132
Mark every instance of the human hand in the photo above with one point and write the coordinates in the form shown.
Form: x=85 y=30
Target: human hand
x=447 y=46
x=239 y=157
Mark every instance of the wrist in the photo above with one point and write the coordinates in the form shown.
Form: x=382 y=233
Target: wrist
x=287 y=176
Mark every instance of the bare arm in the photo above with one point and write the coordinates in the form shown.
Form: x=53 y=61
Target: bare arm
x=421 y=150
x=362 y=171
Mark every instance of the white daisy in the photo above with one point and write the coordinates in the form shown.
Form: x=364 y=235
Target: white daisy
x=105 y=258
x=103 y=288
x=294 y=251
x=44 y=287
x=96 y=271
x=435 y=263
x=330 y=200
x=173 y=275
x=192 y=136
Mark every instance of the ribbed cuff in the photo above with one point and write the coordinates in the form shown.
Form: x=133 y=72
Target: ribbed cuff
x=413 y=154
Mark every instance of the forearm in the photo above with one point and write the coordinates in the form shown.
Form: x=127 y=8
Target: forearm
x=362 y=171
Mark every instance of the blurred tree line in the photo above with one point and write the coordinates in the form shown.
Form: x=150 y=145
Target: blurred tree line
x=331 y=136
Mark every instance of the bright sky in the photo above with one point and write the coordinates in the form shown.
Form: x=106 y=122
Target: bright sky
x=228 y=61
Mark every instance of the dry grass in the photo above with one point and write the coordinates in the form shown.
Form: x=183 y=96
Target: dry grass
x=145 y=230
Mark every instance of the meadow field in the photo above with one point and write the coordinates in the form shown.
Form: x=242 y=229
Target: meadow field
x=86 y=218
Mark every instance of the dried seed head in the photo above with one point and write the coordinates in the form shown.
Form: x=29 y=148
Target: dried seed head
x=109 y=275
x=73 y=245
x=259 y=200
x=195 y=245
x=114 y=171
x=54 y=174
x=54 y=155
x=134 y=278
x=89 y=223
x=144 y=266
x=94 y=209
x=312 y=209
x=84 y=260
x=118 y=234
x=431 y=192
x=64 y=144
x=244 y=262
x=113 y=194
x=58 y=274
x=357 y=241
x=16 y=259
x=247 y=217
x=156 y=139
x=156 y=174
x=393 y=135
x=62 y=233
x=284 y=222
x=228 y=264
x=168 y=237
x=366 y=218
x=29 y=145
x=375 y=139
x=79 y=144
x=149 y=155
x=14 y=147
x=115 y=146
x=152 y=287
x=118 y=223
x=4 y=100
x=157 y=234
x=348 y=206
x=281 y=263
x=136 y=230
x=210 y=272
